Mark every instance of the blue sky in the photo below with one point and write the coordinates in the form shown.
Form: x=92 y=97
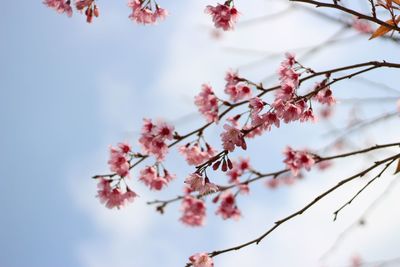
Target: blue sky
x=69 y=89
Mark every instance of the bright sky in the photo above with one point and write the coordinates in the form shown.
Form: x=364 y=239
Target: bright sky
x=68 y=90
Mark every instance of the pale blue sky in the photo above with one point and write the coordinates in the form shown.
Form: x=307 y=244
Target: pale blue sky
x=69 y=89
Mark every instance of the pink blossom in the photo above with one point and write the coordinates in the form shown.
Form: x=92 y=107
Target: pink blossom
x=323 y=165
x=195 y=181
x=201 y=260
x=236 y=88
x=361 y=26
x=296 y=160
x=272 y=183
x=196 y=155
x=144 y=14
x=119 y=159
x=194 y=211
x=232 y=137
x=224 y=16
x=153 y=138
x=113 y=197
x=151 y=178
x=256 y=105
x=238 y=169
x=207 y=103
x=324 y=96
x=208 y=188
x=61 y=6
x=228 y=209
x=308 y=115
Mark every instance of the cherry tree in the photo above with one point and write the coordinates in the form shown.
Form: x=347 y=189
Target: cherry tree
x=251 y=109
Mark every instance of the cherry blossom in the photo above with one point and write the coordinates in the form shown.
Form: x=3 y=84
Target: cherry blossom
x=119 y=159
x=238 y=169
x=296 y=160
x=113 y=197
x=224 y=16
x=196 y=182
x=201 y=260
x=361 y=26
x=151 y=178
x=228 y=208
x=61 y=6
x=195 y=155
x=194 y=211
x=207 y=103
x=236 y=88
x=144 y=13
x=325 y=96
x=232 y=137
x=153 y=138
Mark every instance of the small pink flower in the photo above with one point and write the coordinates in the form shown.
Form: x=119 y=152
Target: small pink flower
x=296 y=160
x=201 y=260
x=235 y=88
x=151 y=178
x=232 y=137
x=324 y=96
x=61 y=6
x=208 y=188
x=228 y=208
x=238 y=169
x=144 y=13
x=308 y=115
x=196 y=155
x=207 y=103
x=153 y=138
x=113 y=197
x=194 y=211
x=256 y=105
x=195 y=181
x=361 y=26
x=119 y=159
x=224 y=16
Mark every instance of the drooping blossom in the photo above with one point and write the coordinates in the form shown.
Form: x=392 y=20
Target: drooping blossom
x=113 y=197
x=207 y=103
x=361 y=26
x=195 y=154
x=153 y=138
x=151 y=178
x=239 y=167
x=61 y=6
x=297 y=160
x=201 y=260
x=193 y=211
x=256 y=105
x=324 y=96
x=91 y=9
x=228 y=208
x=232 y=137
x=144 y=13
x=224 y=16
x=236 y=88
x=119 y=159
x=196 y=182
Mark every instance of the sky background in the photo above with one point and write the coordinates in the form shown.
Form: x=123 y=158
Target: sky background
x=69 y=90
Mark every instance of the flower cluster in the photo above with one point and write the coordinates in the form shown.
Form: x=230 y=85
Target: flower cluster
x=201 y=260
x=324 y=94
x=194 y=211
x=143 y=12
x=361 y=26
x=119 y=159
x=235 y=87
x=61 y=6
x=153 y=138
x=297 y=160
x=195 y=154
x=231 y=137
x=90 y=9
x=228 y=208
x=150 y=177
x=207 y=103
x=238 y=169
x=224 y=16
x=196 y=182
x=113 y=197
